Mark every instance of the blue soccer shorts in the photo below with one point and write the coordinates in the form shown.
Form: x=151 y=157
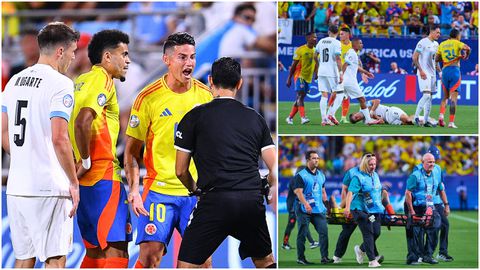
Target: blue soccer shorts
x=451 y=79
x=302 y=85
x=166 y=212
x=103 y=214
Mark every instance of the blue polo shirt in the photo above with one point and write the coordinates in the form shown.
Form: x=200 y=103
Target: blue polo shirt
x=423 y=186
x=347 y=178
x=367 y=193
x=312 y=184
x=438 y=173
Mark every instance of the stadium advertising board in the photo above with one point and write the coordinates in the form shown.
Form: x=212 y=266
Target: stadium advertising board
x=390 y=88
x=397 y=190
x=398 y=50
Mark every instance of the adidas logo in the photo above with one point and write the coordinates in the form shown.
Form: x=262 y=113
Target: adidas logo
x=166 y=112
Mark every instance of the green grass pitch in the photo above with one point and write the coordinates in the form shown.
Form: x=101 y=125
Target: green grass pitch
x=463 y=245
x=466 y=120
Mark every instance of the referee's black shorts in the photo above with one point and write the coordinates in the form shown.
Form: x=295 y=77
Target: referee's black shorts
x=240 y=214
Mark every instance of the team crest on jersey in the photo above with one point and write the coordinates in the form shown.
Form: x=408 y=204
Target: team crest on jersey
x=67 y=101
x=128 y=229
x=134 y=121
x=150 y=229
x=101 y=99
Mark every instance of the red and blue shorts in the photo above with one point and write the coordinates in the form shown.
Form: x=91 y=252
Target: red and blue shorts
x=103 y=214
x=166 y=212
x=451 y=79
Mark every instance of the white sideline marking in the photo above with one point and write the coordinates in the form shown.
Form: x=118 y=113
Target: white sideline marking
x=471 y=220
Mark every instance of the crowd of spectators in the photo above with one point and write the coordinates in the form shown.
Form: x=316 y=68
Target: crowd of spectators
x=397 y=155
x=386 y=19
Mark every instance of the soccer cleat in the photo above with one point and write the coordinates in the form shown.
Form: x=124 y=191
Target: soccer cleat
x=417 y=122
x=374 y=263
x=358 y=254
x=314 y=245
x=304 y=262
x=327 y=123
x=304 y=120
x=337 y=259
x=411 y=262
x=444 y=257
x=379 y=258
x=344 y=120
x=289 y=121
x=326 y=260
x=286 y=246
x=333 y=119
x=441 y=122
x=428 y=124
x=452 y=125
x=429 y=260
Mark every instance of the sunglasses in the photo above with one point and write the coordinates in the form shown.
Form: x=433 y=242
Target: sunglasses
x=369 y=155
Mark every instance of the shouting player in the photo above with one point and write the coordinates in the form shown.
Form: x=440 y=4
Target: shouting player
x=156 y=112
x=103 y=216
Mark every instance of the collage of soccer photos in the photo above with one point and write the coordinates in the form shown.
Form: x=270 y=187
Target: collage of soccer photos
x=235 y=134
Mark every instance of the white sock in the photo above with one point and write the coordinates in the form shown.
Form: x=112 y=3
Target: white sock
x=323 y=107
x=421 y=104
x=427 y=107
x=366 y=113
x=336 y=104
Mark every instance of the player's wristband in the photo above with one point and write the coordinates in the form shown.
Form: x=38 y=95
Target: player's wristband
x=446 y=204
x=86 y=163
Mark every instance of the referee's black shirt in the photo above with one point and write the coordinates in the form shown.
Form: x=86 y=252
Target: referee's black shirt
x=225 y=139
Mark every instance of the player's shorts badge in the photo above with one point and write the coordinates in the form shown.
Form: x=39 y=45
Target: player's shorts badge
x=67 y=101
x=150 y=229
x=101 y=99
x=134 y=121
x=128 y=229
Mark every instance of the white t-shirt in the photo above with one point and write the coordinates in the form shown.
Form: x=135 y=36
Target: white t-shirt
x=381 y=111
x=31 y=98
x=328 y=48
x=350 y=76
x=427 y=50
x=236 y=41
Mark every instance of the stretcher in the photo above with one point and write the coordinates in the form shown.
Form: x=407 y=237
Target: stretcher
x=389 y=220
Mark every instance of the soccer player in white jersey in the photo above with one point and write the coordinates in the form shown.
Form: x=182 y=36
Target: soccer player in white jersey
x=327 y=68
x=386 y=115
x=350 y=83
x=424 y=60
x=42 y=187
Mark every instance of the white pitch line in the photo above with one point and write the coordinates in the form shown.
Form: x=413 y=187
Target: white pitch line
x=471 y=220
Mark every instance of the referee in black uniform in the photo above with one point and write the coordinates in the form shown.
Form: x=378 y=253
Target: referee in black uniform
x=225 y=139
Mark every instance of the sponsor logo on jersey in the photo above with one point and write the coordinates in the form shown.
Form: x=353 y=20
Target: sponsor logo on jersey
x=67 y=101
x=101 y=99
x=134 y=121
x=150 y=229
x=166 y=112
x=178 y=134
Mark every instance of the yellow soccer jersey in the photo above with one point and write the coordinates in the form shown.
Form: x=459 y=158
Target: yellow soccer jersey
x=450 y=51
x=306 y=63
x=96 y=90
x=345 y=49
x=155 y=114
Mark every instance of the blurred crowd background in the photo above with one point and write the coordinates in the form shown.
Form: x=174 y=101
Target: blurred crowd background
x=396 y=155
x=246 y=31
x=384 y=19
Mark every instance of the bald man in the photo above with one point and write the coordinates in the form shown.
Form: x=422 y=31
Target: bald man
x=422 y=185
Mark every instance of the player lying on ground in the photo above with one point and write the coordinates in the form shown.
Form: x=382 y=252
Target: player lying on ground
x=388 y=115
